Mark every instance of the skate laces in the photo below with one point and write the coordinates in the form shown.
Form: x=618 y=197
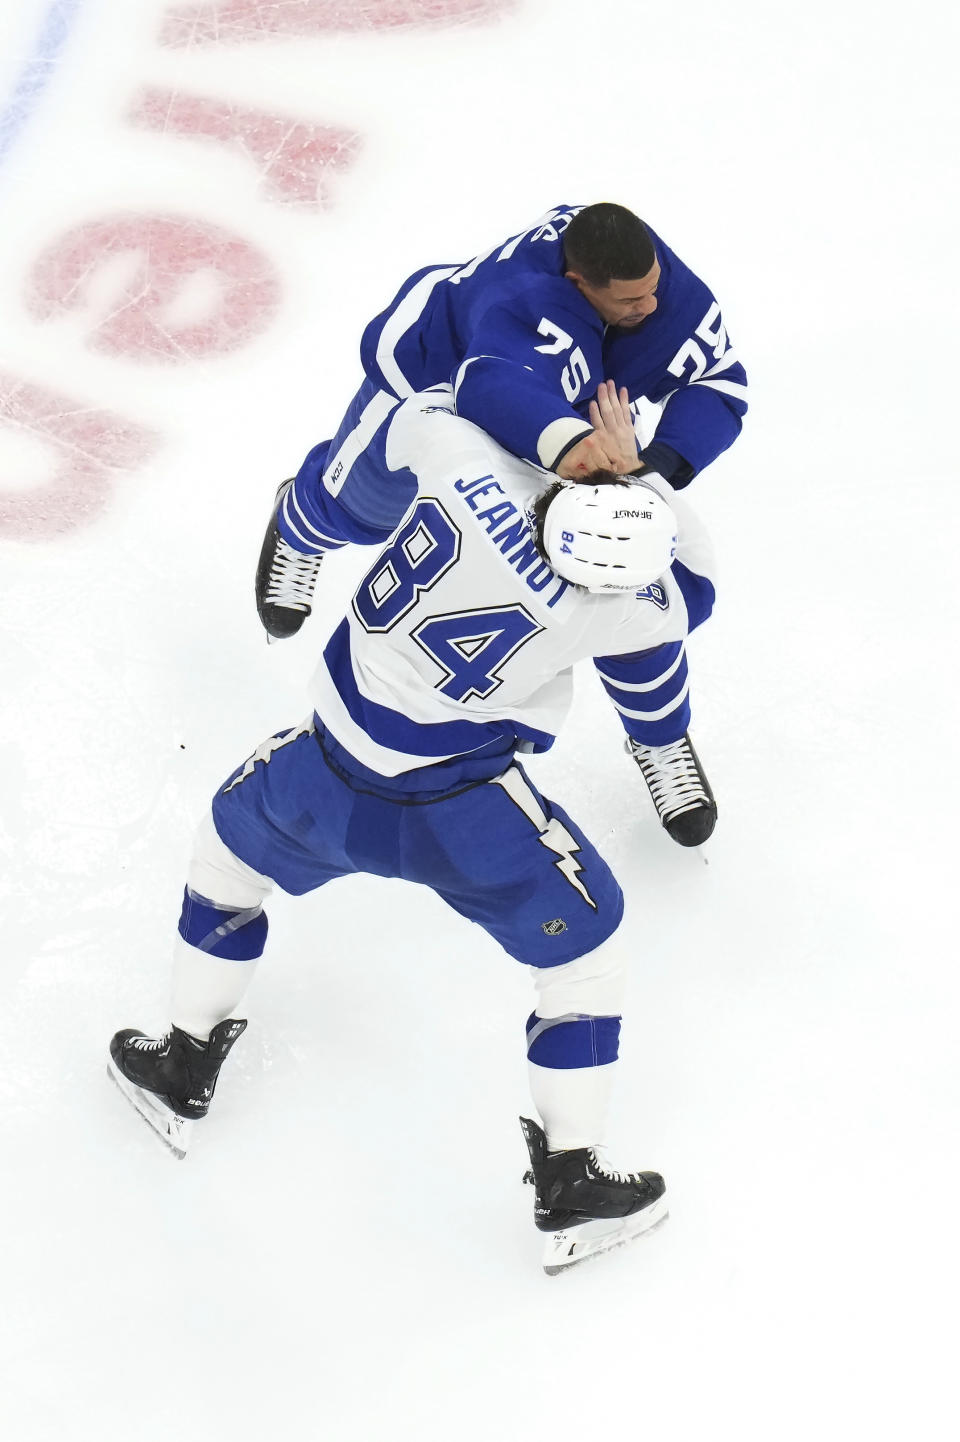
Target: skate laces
x=293 y=576
x=146 y=1043
x=600 y=1164
x=672 y=775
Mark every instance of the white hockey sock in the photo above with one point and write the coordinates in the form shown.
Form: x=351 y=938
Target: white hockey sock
x=206 y=989
x=572 y=1102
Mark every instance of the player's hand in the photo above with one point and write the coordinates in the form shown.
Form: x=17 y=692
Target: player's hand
x=596 y=452
x=611 y=418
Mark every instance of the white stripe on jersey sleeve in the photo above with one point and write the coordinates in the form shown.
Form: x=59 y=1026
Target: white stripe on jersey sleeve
x=409 y=310
x=645 y=685
x=729 y=388
x=314 y=539
x=660 y=712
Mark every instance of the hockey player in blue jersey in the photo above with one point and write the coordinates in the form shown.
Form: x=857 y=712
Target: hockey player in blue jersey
x=526 y=332
x=454 y=658
x=523 y=333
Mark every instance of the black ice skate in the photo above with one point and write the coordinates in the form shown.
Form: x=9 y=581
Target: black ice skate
x=171 y=1079
x=285 y=580
x=585 y=1206
x=681 y=792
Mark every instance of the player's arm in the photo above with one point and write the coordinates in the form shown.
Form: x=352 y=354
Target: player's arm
x=700 y=420
x=528 y=373
x=702 y=388
x=649 y=690
x=645 y=675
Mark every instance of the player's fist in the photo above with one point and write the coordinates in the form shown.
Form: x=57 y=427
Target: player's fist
x=594 y=453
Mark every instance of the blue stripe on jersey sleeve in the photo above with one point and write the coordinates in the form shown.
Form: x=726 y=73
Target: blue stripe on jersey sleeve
x=643 y=672
x=649 y=690
x=697 y=591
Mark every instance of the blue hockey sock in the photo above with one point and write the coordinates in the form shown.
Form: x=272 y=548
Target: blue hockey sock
x=222 y=931
x=573 y=1040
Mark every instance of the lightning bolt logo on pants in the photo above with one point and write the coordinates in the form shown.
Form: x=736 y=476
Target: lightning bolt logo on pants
x=557 y=838
x=553 y=834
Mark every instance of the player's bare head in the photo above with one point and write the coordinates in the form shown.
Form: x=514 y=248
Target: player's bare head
x=606 y=533
x=610 y=257
x=608 y=242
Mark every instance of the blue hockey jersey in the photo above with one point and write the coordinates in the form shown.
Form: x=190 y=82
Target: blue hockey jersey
x=525 y=351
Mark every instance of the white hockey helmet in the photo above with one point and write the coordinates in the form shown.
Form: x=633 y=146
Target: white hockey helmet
x=609 y=537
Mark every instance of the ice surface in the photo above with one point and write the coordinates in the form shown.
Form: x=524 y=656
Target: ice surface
x=348 y=1253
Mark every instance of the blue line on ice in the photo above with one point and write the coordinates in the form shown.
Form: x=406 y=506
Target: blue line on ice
x=37 y=72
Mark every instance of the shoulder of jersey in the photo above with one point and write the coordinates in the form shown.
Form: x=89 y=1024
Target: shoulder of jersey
x=430 y=438
x=427 y=427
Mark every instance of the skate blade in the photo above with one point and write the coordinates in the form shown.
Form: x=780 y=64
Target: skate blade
x=176 y=1132
x=563 y=1250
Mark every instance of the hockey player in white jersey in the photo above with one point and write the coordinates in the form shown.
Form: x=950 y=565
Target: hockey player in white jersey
x=454 y=658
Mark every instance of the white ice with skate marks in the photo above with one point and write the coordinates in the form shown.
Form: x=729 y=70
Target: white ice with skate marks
x=189 y=252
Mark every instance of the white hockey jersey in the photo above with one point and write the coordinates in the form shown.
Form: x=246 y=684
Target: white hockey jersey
x=459 y=644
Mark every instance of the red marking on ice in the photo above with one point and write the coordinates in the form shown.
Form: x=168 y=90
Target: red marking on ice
x=294 y=156
x=171 y=288
x=234 y=294
x=225 y=22
x=86 y=447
